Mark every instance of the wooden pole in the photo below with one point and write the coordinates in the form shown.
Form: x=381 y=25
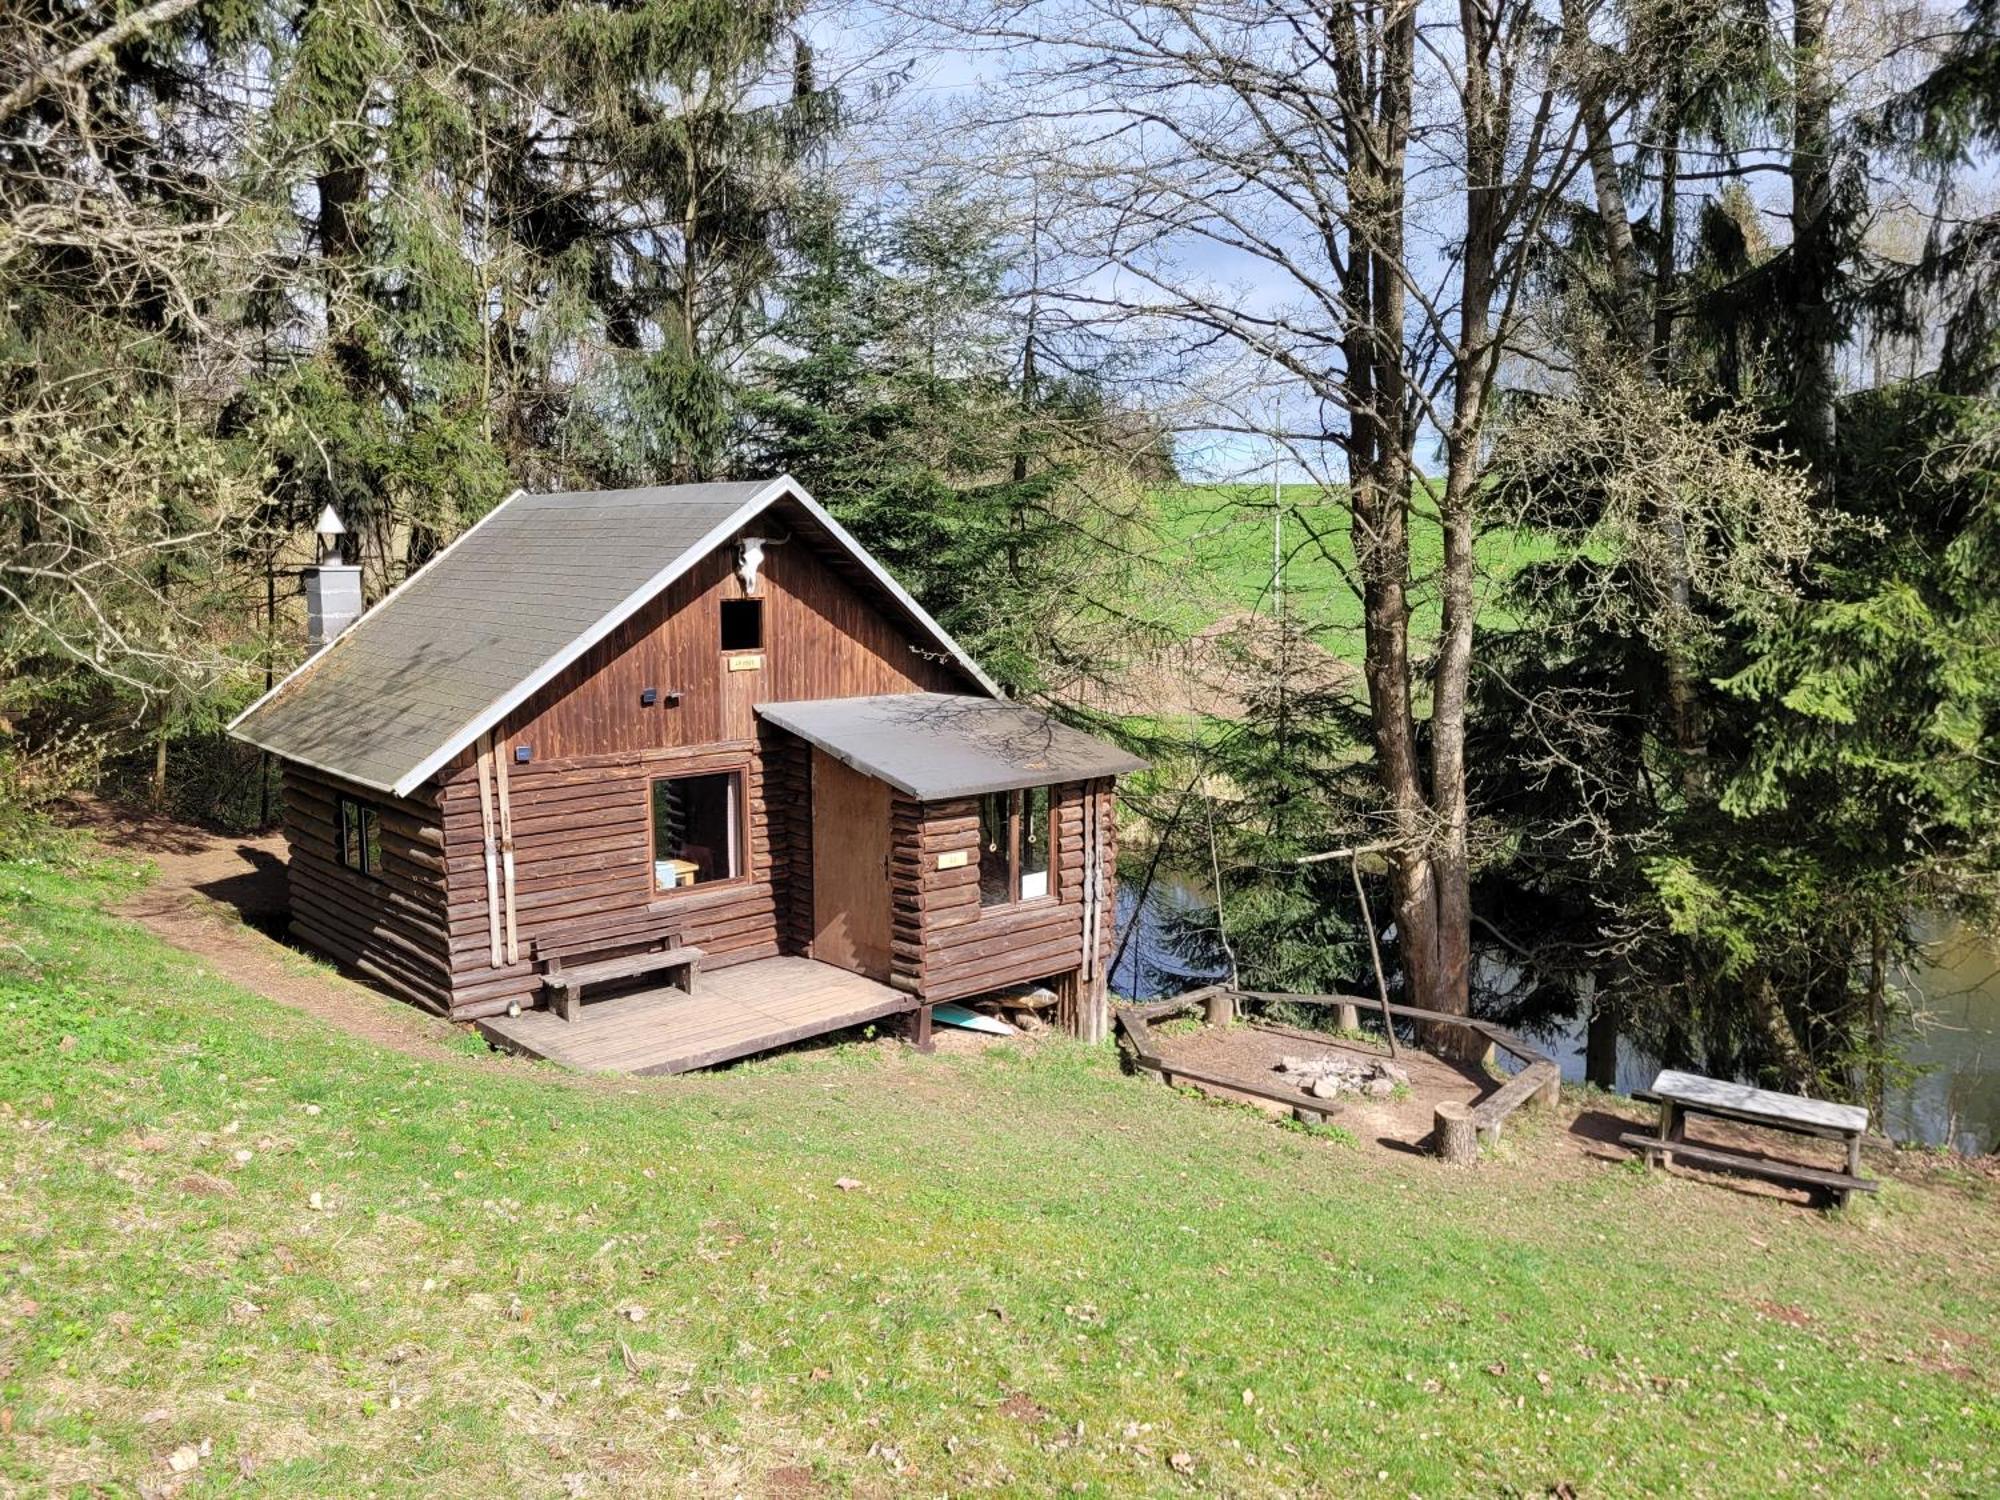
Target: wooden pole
x=1374 y=950
x=506 y=850
x=1454 y=1137
x=485 y=767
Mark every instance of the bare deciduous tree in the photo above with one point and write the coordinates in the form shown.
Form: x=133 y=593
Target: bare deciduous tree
x=109 y=272
x=1353 y=197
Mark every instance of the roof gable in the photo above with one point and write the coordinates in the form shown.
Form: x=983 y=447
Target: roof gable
x=503 y=610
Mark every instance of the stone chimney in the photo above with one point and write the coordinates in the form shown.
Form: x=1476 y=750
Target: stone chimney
x=333 y=588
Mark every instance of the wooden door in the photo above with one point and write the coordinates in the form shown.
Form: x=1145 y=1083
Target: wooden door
x=850 y=843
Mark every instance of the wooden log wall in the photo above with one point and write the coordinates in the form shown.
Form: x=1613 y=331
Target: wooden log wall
x=583 y=877
x=945 y=945
x=389 y=926
x=581 y=804
x=788 y=778
x=581 y=814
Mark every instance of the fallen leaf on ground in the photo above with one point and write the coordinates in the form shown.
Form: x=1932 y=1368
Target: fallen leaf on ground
x=847 y=1184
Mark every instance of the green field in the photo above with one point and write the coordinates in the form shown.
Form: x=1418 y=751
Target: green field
x=291 y=1261
x=1217 y=540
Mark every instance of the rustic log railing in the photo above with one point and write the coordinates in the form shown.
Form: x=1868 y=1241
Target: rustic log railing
x=1540 y=1078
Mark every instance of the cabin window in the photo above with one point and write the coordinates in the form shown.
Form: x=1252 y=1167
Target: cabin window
x=360 y=837
x=697 y=829
x=742 y=624
x=1014 y=846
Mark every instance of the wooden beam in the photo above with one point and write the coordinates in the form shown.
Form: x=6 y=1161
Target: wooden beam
x=485 y=769
x=506 y=851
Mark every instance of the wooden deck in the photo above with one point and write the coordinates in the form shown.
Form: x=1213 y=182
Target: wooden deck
x=736 y=1012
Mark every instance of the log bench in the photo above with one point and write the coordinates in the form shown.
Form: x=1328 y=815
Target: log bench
x=564 y=978
x=1682 y=1094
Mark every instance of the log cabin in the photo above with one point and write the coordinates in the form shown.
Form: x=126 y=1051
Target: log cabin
x=652 y=779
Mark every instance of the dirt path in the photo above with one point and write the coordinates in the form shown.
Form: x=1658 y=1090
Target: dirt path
x=223 y=899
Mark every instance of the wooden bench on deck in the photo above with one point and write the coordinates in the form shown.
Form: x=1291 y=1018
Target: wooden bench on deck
x=1682 y=1094
x=564 y=977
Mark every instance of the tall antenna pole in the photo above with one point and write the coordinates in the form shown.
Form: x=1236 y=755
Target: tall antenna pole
x=1277 y=520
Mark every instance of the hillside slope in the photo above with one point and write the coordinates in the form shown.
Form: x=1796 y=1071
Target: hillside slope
x=241 y=1251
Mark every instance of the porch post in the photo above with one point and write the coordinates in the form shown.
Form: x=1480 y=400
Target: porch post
x=917 y=1028
x=1084 y=1005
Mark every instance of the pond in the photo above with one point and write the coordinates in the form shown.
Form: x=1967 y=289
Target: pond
x=1953 y=1099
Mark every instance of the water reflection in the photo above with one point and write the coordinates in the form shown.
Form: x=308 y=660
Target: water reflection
x=1149 y=966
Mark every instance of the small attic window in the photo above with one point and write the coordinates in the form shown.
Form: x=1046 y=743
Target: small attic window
x=742 y=624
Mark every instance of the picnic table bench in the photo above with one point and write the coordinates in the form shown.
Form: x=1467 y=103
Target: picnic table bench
x=564 y=980
x=1682 y=1094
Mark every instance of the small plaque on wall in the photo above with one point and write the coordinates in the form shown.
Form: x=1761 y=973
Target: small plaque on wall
x=746 y=663
x=955 y=860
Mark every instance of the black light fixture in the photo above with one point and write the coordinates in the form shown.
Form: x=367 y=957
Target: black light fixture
x=648 y=697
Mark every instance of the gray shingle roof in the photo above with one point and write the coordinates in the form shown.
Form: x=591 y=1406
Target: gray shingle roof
x=496 y=615
x=935 y=745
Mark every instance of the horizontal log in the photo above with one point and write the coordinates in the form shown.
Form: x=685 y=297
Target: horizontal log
x=315 y=867
x=358 y=936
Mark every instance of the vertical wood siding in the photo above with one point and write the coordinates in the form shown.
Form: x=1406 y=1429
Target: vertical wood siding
x=822 y=639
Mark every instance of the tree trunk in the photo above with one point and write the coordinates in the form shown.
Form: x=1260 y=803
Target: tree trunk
x=1472 y=360
x=1666 y=263
x=1813 y=250
x=1794 y=1067
x=1674 y=587
x=1613 y=213
x=1600 y=1047
x=156 y=791
x=1375 y=89
x=1454 y=1137
x=1878 y=1019
x=343 y=203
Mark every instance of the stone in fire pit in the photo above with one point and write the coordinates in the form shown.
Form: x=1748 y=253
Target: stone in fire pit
x=1332 y=1074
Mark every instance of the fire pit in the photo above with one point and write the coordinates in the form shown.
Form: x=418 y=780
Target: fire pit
x=1317 y=1078
x=1332 y=1074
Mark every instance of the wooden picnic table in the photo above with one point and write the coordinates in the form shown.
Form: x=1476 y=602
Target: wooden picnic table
x=1682 y=1094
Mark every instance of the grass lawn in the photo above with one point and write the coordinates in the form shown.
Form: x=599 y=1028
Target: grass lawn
x=1218 y=538
x=293 y=1262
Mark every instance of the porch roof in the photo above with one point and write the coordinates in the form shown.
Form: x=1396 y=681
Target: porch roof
x=936 y=745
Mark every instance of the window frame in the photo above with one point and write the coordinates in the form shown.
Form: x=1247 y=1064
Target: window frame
x=363 y=820
x=741 y=771
x=721 y=632
x=1017 y=801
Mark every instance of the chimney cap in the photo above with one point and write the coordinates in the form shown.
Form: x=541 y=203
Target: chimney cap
x=328 y=524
